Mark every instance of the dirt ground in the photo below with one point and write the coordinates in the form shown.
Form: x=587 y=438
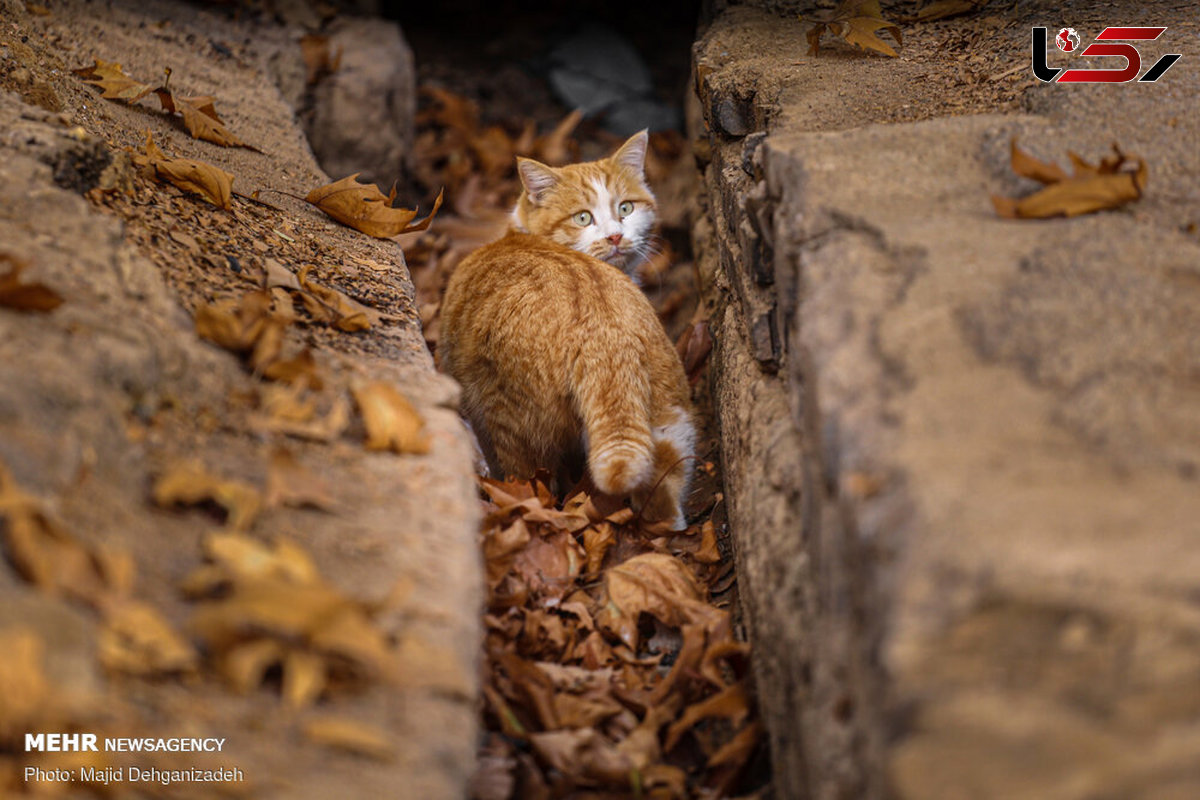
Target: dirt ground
x=111 y=395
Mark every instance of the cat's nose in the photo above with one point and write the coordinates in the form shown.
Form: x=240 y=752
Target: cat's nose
x=615 y=239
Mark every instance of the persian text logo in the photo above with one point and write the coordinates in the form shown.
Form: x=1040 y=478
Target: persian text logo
x=1068 y=41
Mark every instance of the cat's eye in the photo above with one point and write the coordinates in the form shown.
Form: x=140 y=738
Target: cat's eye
x=626 y=208
x=583 y=219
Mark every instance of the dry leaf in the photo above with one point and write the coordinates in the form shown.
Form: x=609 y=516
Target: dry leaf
x=50 y=558
x=319 y=58
x=304 y=678
x=658 y=584
x=329 y=305
x=730 y=703
x=24 y=296
x=291 y=484
x=135 y=639
x=391 y=421
x=239 y=324
x=1091 y=188
x=109 y=77
x=199 y=117
x=351 y=736
x=211 y=183
x=24 y=689
x=856 y=21
x=189 y=483
x=364 y=208
x=288 y=409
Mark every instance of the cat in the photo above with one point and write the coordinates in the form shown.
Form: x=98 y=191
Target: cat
x=602 y=208
x=559 y=354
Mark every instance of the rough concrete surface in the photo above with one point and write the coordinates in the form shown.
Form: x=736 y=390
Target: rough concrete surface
x=101 y=396
x=361 y=116
x=962 y=452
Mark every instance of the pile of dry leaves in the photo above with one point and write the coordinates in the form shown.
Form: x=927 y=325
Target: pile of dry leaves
x=609 y=668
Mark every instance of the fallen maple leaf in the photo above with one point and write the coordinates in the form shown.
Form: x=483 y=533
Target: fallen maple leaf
x=200 y=117
x=391 y=421
x=291 y=484
x=1092 y=187
x=856 y=21
x=658 y=584
x=352 y=736
x=365 y=208
x=52 y=559
x=211 y=183
x=242 y=325
x=24 y=296
x=290 y=409
x=135 y=639
x=116 y=85
x=189 y=483
x=327 y=304
x=264 y=606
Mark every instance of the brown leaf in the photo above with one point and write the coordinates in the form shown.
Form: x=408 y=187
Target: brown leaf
x=1091 y=188
x=329 y=305
x=856 y=21
x=319 y=58
x=199 y=117
x=116 y=85
x=290 y=484
x=1027 y=166
x=351 y=736
x=211 y=183
x=303 y=678
x=737 y=751
x=241 y=324
x=299 y=370
x=655 y=583
x=49 y=557
x=584 y=754
x=730 y=703
x=245 y=665
x=288 y=409
x=556 y=148
x=135 y=639
x=24 y=296
x=391 y=421
x=364 y=208
x=24 y=689
x=189 y=483
x=240 y=558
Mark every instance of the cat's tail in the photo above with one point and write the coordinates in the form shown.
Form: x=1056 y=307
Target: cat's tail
x=613 y=396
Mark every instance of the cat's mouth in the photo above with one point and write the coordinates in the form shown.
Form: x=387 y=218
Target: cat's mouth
x=616 y=256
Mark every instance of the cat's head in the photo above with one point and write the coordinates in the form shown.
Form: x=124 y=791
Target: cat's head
x=602 y=208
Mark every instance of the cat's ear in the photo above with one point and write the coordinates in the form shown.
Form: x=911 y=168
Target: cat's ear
x=632 y=154
x=537 y=178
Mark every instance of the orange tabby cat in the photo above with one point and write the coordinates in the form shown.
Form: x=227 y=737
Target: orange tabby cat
x=559 y=354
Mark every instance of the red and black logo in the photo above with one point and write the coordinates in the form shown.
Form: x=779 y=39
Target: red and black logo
x=1067 y=40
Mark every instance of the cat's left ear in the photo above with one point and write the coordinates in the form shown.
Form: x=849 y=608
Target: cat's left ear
x=632 y=154
x=537 y=178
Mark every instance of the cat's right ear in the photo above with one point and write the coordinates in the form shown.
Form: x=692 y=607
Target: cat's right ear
x=537 y=178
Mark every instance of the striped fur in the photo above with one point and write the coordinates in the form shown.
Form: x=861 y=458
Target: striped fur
x=558 y=355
